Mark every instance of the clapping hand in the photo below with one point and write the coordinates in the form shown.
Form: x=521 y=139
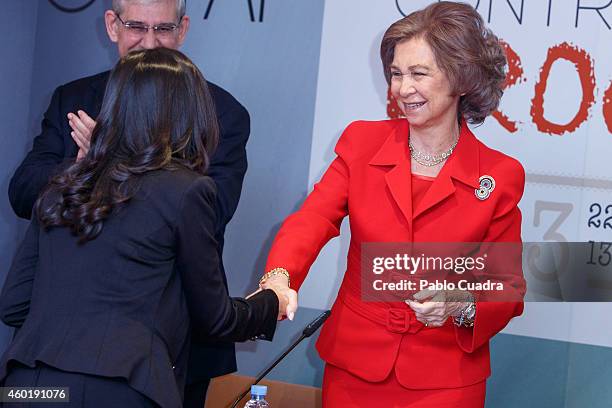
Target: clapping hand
x=82 y=126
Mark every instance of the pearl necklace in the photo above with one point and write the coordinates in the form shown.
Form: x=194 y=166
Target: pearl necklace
x=430 y=160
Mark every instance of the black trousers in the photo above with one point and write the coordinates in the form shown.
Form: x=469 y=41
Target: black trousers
x=86 y=391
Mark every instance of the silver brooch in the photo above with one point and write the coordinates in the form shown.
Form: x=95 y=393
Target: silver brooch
x=487 y=185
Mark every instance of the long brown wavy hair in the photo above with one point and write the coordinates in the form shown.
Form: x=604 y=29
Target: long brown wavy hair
x=157 y=113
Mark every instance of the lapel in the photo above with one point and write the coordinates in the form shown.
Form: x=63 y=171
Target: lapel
x=394 y=152
x=462 y=166
x=98 y=86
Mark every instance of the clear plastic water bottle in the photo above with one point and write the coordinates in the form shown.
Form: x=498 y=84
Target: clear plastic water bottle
x=258 y=397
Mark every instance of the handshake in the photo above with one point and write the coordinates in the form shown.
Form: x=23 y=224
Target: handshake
x=287 y=297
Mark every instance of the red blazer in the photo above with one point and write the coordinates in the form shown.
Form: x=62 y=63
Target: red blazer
x=370 y=181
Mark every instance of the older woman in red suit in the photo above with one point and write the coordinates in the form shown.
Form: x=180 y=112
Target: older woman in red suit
x=425 y=178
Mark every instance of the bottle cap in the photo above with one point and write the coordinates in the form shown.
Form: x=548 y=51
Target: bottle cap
x=260 y=390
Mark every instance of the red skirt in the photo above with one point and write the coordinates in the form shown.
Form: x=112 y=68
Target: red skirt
x=343 y=390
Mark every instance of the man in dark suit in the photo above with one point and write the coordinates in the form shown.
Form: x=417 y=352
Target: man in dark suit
x=67 y=126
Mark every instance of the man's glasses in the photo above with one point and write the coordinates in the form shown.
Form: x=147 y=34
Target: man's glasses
x=137 y=28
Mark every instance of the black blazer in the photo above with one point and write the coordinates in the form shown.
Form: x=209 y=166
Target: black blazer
x=54 y=147
x=123 y=304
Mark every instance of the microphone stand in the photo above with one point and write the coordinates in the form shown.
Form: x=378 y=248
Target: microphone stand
x=307 y=332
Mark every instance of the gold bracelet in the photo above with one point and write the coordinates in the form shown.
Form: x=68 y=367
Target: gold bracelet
x=275 y=271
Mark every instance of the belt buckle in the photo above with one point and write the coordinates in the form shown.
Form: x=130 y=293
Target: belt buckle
x=398 y=320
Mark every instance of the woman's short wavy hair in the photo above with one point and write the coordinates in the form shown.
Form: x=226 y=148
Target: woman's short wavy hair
x=466 y=51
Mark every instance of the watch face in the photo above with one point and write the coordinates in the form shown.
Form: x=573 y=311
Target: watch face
x=71 y=6
x=471 y=311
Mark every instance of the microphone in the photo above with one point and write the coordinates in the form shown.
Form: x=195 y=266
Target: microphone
x=315 y=324
x=307 y=332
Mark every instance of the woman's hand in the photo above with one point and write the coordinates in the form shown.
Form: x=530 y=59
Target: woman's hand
x=287 y=297
x=432 y=307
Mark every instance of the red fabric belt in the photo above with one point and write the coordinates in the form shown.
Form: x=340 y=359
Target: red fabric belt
x=399 y=320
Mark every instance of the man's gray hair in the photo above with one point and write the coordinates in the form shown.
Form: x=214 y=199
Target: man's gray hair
x=180 y=5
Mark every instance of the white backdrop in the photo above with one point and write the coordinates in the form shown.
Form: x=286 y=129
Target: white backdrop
x=567 y=163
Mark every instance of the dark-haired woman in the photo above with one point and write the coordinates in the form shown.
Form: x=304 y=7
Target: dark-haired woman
x=119 y=263
x=425 y=178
